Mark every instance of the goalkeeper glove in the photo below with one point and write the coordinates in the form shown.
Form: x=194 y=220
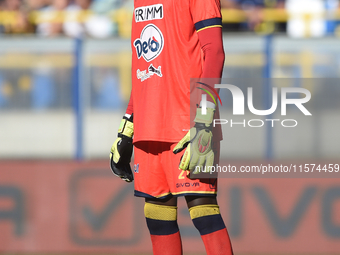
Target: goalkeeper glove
x=121 y=151
x=197 y=142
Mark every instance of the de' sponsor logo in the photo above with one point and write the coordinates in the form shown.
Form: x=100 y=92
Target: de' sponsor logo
x=150 y=44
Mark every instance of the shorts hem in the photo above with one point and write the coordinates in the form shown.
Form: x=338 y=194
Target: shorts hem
x=177 y=194
x=195 y=193
x=145 y=195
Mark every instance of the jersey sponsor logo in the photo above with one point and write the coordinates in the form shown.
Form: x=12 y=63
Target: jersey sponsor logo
x=151 y=12
x=153 y=70
x=143 y=75
x=150 y=44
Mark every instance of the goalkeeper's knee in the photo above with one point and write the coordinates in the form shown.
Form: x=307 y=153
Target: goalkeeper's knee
x=161 y=219
x=207 y=218
x=162 y=224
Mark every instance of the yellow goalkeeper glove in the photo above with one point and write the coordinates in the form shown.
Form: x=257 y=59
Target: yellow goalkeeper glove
x=121 y=150
x=197 y=142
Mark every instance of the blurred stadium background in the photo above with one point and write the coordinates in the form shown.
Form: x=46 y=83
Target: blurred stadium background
x=64 y=85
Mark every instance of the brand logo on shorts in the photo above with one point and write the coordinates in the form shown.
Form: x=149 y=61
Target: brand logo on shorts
x=212 y=183
x=150 y=44
x=136 y=168
x=187 y=184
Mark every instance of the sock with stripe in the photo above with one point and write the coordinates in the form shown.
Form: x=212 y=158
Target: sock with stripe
x=162 y=223
x=208 y=221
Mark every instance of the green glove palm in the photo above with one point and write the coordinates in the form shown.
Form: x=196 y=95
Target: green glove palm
x=121 y=151
x=198 y=144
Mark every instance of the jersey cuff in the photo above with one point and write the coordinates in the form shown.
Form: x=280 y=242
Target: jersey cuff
x=208 y=23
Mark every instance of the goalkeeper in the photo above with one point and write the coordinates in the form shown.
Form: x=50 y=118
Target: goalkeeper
x=179 y=41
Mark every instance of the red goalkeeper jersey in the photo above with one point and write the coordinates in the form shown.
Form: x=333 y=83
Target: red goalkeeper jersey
x=165 y=54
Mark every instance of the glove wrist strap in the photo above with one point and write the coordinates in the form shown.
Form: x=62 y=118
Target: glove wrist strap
x=126 y=128
x=204 y=118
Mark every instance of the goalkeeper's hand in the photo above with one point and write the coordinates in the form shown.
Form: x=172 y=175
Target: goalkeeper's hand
x=198 y=144
x=121 y=151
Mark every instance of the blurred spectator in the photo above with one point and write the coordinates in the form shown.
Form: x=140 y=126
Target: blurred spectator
x=253 y=10
x=11 y=5
x=54 y=18
x=15 y=18
x=73 y=26
x=80 y=21
x=105 y=18
x=105 y=6
x=37 y=4
x=123 y=16
x=229 y=4
x=312 y=18
x=246 y=4
x=306 y=18
x=332 y=25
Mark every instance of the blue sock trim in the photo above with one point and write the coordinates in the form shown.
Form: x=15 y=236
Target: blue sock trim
x=162 y=227
x=208 y=224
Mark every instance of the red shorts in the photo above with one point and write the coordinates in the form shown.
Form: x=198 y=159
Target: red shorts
x=157 y=174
